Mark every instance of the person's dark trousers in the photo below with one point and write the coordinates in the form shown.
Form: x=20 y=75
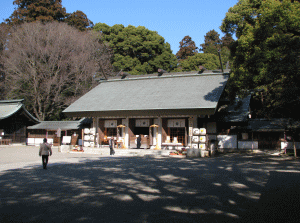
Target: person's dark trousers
x=112 y=152
x=45 y=161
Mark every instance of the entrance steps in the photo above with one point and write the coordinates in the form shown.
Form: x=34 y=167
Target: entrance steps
x=124 y=152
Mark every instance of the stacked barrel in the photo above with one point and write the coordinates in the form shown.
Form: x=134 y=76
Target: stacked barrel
x=89 y=137
x=199 y=139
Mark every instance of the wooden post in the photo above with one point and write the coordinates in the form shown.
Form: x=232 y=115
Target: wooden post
x=82 y=138
x=295 y=148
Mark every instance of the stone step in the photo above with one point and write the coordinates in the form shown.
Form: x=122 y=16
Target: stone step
x=123 y=152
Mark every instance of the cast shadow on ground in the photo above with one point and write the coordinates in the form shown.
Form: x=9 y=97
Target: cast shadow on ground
x=138 y=189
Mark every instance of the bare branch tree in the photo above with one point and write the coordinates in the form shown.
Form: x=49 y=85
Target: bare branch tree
x=4 y=31
x=52 y=65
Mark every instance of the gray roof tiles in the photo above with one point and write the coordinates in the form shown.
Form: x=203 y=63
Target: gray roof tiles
x=190 y=91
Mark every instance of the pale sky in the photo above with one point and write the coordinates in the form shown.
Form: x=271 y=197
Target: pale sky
x=172 y=19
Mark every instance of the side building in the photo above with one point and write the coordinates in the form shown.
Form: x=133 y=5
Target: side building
x=14 y=119
x=56 y=131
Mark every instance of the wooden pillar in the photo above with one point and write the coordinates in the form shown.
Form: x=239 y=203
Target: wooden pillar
x=164 y=132
x=101 y=131
x=159 y=135
x=192 y=123
x=131 y=125
x=126 y=137
x=95 y=126
x=82 y=136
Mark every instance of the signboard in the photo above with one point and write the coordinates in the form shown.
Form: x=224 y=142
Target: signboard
x=66 y=140
x=58 y=133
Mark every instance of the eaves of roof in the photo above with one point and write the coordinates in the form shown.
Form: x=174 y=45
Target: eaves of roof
x=63 y=125
x=10 y=107
x=8 y=110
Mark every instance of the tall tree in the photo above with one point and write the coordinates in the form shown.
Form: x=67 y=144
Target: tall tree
x=212 y=42
x=37 y=10
x=47 y=11
x=187 y=47
x=79 y=20
x=137 y=50
x=4 y=33
x=227 y=40
x=266 y=52
x=51 y=65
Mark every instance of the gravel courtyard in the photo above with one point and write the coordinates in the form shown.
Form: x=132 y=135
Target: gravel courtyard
x=93 y=188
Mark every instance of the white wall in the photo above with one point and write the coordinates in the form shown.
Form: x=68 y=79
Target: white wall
x=289 y=145
x=227 y=141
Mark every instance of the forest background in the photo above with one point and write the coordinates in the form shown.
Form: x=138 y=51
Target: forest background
x=50 y=57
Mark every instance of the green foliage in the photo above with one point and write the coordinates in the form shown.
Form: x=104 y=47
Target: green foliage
x=207 y=60
x=212 y=42
x=137 y=50
x=213 y=45
x=266 y=53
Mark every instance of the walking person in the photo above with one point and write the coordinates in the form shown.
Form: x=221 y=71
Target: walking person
x=111 y=146
x=138 y=141
x=45 y=151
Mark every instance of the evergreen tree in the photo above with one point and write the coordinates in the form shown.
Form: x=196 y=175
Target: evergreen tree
x=137 y=50
x=198 y=61
x=37 y=10
x=79 y=20
x=187 y=47
x=212 y=42
x=47 y=11
x=266 y=53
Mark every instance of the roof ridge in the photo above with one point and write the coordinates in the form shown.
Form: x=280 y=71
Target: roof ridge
x=170 y=75
x=11 y=101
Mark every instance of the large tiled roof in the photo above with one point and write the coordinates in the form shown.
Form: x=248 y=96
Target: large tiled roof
x=167 y=92
x=262 y=125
